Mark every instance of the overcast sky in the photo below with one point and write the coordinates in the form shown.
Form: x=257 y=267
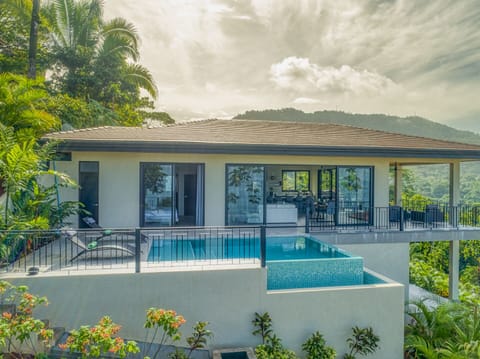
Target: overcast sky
x=216 y=58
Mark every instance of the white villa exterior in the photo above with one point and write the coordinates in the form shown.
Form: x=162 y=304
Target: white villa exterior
x=240 y=172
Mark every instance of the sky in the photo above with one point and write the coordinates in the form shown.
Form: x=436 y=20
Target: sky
x=217 y=58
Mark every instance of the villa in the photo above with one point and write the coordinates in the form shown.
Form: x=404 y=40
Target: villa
x=256 y=179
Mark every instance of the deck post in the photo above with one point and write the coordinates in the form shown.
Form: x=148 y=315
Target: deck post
x=307 y=219
x=453 y=269
x=137 y=249
x=402 y=220
x=263 y=245
x=454 y=248
x=398 y=184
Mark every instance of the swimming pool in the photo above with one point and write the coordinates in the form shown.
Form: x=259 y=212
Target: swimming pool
x=292 y=262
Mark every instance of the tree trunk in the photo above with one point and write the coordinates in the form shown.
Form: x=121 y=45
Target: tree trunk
x=32 y=50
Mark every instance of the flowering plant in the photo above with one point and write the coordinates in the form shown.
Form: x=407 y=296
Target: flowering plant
x=18 y=327
x=101 y=339
x=166 y=325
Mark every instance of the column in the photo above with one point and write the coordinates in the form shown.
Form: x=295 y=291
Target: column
x=398 y=184
x=454 y=248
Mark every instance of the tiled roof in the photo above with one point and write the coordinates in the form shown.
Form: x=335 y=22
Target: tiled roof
x=264 y=133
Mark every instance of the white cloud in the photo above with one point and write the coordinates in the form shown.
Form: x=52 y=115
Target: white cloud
x=305 y=101
x=299 y=74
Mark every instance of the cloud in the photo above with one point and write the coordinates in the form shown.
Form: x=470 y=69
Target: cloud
x=299 y=74
x=305 y=101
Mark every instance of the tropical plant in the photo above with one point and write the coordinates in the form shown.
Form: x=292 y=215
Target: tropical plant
x=166 y=325
x=96 y=59
x=28 y=203
x=263 y=326
x=449 y=330
x=362 y=342
x=316 y=348
x=23 y=107
x=198 y=340
x=271 y=347
x=18 y=327
x=99 y=340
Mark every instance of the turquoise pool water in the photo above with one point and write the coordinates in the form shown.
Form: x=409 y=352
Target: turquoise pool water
x=292 y=262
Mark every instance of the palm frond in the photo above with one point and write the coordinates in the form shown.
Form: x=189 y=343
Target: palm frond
x=140 y=76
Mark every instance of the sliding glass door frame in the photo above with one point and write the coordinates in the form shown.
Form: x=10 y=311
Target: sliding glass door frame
x=173 y=185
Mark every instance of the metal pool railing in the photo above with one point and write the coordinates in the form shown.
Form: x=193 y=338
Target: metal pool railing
x=99 y=249
x=396 y=218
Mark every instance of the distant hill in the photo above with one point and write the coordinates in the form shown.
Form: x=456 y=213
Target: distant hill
x=412 y=125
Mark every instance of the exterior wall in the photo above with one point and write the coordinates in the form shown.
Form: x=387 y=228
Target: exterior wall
x=119 y=181
x=390 y=259
x=228 y=299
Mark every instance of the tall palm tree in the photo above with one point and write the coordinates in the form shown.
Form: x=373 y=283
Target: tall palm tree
x=96 y=55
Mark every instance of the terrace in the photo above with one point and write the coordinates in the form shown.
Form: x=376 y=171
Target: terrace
x=152 y=249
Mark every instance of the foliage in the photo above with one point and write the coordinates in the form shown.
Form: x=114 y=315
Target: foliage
x=101 y=339
x=23 y=107
x=165 y=324
x=199 y=337
x=14 y=37
x=96 y=59
x=450 y=330
x=198 y=340
x=263 y=326
x=18 y=327
x=271 y=347
x=362 y=342
x=30 y=203
x=316 y=348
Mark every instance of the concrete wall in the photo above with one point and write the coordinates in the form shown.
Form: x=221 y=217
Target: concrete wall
x=119 y=182
x=228 y=300
x=390 y=259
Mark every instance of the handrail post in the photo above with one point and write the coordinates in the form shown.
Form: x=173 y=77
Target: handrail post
x=263 y=245
x=137 y=249
x=307 y=219
x=402 y=219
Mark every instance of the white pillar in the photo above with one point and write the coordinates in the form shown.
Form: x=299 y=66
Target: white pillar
x=454 y=248
x=454 y=183
x=398 y=184
x=453 y=269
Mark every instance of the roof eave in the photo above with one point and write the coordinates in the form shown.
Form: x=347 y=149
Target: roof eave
x=262 y=149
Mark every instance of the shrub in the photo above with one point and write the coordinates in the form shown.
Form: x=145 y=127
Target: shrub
x=316 y=348
x=92 y=342
x=18 y=327
x=363 y=342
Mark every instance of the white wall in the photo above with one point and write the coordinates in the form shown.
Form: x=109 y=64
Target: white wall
x=119 y=182
x=390 y=259
x=228 y=300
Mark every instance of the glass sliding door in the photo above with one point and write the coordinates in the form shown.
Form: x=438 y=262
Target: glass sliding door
x=157 y=195
x=245 y=188
x=355 y=196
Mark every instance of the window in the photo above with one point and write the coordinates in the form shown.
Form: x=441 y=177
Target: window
x=295 y=181
x=245 y=186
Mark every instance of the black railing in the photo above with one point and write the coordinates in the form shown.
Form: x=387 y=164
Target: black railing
x=421 y=216
x=136 y=249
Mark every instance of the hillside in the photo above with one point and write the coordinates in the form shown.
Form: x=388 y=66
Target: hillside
x=411 y=125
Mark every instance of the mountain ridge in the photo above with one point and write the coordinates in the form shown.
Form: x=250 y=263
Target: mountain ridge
x=410 y=125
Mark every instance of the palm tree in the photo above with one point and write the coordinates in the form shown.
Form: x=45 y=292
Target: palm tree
x=22 y=106
x=32 y=48
x=96 y=57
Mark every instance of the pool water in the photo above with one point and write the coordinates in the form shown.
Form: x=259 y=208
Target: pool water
x=292 y=262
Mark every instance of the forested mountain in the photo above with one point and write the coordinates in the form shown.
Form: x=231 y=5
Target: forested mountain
x=430 y=180
x=412 y=125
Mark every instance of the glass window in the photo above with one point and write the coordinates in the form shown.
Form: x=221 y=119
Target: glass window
x=157 y=185
x=294 y=180
x=244 y=196
x=354 y=195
